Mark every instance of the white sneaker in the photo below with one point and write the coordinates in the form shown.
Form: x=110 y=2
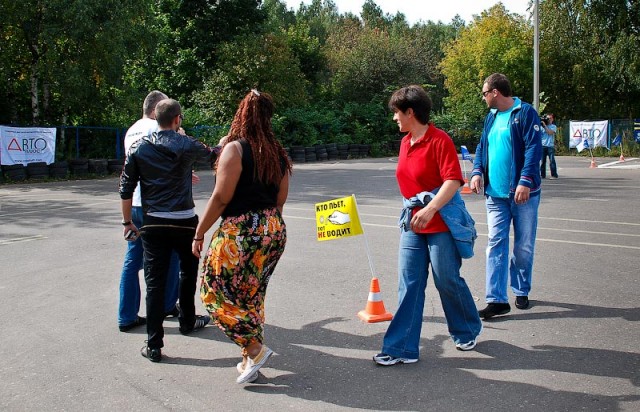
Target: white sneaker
x=471 y=344
x=388 y=360
x=240 y=367
x=467 y=346
x=253 y=365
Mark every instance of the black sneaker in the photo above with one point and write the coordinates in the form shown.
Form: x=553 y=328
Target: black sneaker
x=201 y=322
x=522 y=302
x=138 y=322
x=154 y=355
x=494 y=309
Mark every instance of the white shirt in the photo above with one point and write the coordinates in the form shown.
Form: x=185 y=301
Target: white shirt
x=141 y=128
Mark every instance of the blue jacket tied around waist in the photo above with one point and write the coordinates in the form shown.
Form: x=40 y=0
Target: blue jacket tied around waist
x=454 y=214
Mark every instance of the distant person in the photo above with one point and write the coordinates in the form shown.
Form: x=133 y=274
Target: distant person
x=163 y=163
x=508 y=158
x=436 y=231
x=548 y=134
x=252 y=184
x=129 y=283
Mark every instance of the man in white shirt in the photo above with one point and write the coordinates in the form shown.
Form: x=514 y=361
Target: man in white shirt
x=129 y=283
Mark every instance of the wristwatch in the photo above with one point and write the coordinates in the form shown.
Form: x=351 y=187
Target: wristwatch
x=127 y=223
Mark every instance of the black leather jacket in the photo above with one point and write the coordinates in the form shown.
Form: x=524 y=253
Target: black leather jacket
x=163 y=163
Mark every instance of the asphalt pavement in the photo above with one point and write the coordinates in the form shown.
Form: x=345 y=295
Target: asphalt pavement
x=576 y=348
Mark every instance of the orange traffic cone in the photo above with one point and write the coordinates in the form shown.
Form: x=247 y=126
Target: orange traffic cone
x=465 y=188
x=593 y=164
x=375 y=311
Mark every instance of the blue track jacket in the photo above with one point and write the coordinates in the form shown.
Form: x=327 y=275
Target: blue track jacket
x=527 y=149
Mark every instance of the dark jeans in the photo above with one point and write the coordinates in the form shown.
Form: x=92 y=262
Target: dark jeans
x=161 y=237
x=551 y=152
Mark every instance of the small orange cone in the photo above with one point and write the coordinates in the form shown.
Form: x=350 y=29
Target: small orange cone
x=375 y=311
x=466 y=190
x=593 y=164
x=621 y=158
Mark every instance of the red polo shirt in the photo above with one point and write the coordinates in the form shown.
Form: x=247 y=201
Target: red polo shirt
x=425 y=166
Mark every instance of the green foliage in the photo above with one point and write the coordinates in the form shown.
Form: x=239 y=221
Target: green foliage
x=90 y=62
x=463 y=132
x=264 y=62
x=321 y=16
x=496 y=41
x=364 y=62
x=589 y=61
x=192 y=32
x=69 y=56
x=363 y=123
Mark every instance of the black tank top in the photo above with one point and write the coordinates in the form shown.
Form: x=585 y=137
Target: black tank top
x=251 y=194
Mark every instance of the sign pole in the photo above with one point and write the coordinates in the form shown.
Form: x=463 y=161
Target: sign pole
x=366 y=243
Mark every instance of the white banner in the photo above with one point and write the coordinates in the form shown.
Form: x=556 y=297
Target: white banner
x=589 y=134
x=22 y=145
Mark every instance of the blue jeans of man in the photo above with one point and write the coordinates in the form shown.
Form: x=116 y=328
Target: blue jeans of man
x=551 y=153
x=130 y=284
x=417 y=251
x=518 y=265
x=160 y=238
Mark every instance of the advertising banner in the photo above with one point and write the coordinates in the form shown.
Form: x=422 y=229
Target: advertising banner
x=589 y=134
x=22 y=145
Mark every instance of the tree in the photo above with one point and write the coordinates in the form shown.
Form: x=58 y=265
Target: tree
x=589 y=61
x=366 y=61
x=495 y=41
x=264 y=62
x=69 y=55
x=321 y=16
x=190 y=33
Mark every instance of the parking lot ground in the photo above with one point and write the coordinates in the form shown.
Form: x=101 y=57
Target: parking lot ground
x=576 y=348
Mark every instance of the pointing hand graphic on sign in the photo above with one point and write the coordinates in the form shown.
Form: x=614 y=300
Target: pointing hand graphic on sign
x=339 y=218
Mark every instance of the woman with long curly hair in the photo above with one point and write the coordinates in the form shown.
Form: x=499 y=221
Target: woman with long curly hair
x=252 y=184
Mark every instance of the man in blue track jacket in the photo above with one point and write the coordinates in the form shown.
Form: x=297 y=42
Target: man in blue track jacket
x=508 y=158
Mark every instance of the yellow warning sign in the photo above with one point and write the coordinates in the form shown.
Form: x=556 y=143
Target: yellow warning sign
x=337 y=218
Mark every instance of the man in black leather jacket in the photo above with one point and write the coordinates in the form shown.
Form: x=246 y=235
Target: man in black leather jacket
x=163 y=163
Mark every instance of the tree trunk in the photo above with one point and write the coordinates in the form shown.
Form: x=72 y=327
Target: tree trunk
x=46 y=95
x=35 y=103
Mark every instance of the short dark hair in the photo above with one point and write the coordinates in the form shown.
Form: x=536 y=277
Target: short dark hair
x=412 y=97
x=500 y=82
x=166 y=111
x=151 y=101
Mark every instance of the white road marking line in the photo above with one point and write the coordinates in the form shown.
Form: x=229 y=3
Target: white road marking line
x=35 y=211
x=22 y=239
x=560 y=219
x=538 y=239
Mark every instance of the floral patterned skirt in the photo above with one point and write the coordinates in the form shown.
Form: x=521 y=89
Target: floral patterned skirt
x=242 y=256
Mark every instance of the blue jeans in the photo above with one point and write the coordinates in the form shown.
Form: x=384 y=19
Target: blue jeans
x=416 y=252
x=519 y=264
x=551 y=152
x=129 y=283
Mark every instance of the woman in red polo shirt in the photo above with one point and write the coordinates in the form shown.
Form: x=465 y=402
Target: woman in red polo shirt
x=428 y=162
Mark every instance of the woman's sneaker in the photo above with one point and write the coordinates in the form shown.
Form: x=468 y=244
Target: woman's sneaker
x=388 y=360
x=253 y=365
x=467 y=346
x=464 y=346
x=240 y=367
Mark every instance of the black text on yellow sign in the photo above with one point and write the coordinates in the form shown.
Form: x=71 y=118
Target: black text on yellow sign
x=337 y=218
